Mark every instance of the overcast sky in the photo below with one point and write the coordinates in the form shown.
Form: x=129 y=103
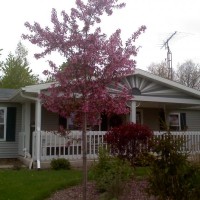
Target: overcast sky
x=162 y=18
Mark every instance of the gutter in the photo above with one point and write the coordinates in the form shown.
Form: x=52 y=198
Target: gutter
x=27 y=97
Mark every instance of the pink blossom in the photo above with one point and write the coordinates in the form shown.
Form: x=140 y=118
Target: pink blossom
x=91 y=81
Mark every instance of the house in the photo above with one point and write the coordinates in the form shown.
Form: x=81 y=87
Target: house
x=26 y=127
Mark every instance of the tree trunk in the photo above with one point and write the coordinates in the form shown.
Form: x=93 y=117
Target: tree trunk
x=84 y=149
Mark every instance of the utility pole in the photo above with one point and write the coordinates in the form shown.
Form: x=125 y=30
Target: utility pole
x=169 y=56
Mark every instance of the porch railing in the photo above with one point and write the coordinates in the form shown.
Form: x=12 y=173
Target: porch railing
x=70 y=147
x=191 y=138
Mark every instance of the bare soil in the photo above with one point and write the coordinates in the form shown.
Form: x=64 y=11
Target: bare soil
x=10 y=163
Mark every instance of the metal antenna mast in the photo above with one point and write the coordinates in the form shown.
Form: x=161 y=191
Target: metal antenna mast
x=169 y=56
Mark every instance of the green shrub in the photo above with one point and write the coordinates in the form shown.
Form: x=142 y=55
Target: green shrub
x=60 y=163
x=172 y=176
x=110 y=174
x=143 y=159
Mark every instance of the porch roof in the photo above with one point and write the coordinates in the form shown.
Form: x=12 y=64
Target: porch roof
x=168 y=82
x=37 y=88
x=193 y=92
x=191 y=96
x=7 y=94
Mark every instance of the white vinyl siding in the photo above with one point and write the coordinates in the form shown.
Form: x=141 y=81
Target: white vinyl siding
x=50 y=121
x=193 y=120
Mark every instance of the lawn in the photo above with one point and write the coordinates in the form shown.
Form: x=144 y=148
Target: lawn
x=35 y=185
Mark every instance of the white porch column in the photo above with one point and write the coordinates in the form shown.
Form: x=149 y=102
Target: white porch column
x=27 y=119
x=133 y=112
x=38 y=112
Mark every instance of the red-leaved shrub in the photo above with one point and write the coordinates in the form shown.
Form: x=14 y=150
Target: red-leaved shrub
x=128 y=141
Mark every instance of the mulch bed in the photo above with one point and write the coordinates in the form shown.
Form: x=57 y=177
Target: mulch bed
x=134 y=190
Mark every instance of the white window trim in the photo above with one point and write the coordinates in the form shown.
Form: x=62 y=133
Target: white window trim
x=4 y=123
x=179 y=121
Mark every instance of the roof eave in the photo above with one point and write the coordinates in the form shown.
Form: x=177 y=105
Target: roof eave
x=168 y=82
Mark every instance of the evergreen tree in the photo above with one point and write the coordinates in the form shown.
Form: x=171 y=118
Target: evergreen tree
x=15 y=70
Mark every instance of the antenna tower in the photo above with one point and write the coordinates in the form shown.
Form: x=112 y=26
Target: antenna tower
x=169 y=56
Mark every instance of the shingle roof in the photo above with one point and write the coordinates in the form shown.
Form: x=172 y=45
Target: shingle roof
x=6 y=94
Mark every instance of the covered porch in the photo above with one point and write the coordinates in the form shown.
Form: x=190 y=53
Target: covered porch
x=44 y=145
x=156 y=101
x=54 y=145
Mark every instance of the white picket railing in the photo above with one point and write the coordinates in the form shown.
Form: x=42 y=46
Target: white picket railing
x=191 y=138
x=56 y=146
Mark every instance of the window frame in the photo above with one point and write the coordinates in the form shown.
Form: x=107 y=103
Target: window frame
x=176 y=126
x=4 y=123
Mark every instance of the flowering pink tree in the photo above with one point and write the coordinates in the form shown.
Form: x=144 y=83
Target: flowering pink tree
x=94 y=63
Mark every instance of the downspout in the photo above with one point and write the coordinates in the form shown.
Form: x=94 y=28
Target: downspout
x=38 y=129
x=38 y=126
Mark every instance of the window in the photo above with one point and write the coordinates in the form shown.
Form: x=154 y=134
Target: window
x=174 y=121
x=177 y=121
x=2 y=123
x=7 y=124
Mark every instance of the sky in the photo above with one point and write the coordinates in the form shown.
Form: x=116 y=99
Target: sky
x=161 y=17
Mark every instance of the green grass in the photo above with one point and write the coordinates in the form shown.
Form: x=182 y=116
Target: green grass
x=141 y=172
x=35 y=185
